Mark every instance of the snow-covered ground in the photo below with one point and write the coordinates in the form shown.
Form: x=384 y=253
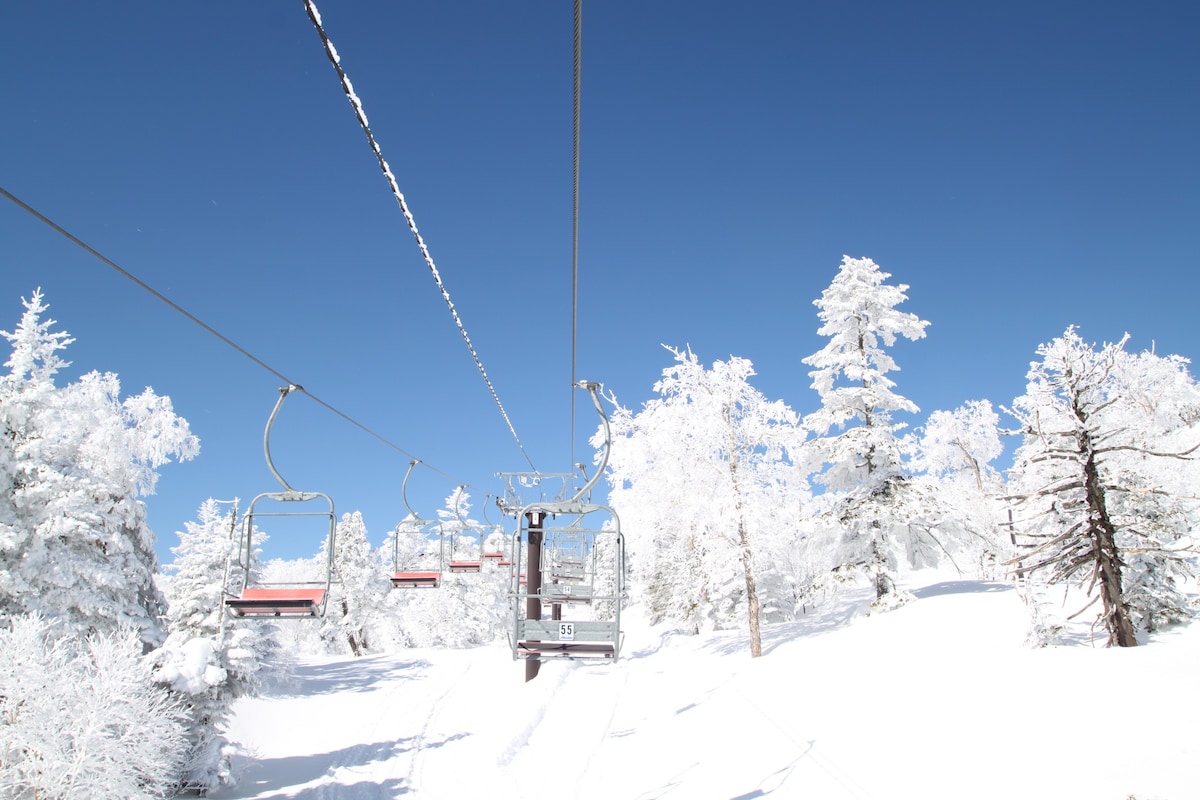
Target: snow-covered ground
x=938 y=699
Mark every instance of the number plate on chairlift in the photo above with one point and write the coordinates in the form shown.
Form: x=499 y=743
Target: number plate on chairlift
x=566 y=631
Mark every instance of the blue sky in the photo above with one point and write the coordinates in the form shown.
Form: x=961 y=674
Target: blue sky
x=1021 y=166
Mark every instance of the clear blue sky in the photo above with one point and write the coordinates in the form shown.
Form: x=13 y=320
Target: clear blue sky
x=1023 y=166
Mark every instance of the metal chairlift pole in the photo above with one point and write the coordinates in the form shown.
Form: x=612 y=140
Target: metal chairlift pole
x=533 y=577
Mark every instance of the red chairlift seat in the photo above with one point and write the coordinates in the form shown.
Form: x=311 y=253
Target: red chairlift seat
x=465 y=566
x=416 y=580
x=277 y=602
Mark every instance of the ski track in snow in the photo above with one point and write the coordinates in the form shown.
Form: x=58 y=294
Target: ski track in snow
x=396 y=713
x=936 y=700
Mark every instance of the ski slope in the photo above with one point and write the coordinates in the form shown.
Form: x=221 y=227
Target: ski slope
x=938 y=699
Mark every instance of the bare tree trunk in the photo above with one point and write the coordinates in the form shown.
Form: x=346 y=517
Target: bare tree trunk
x=1104 y=541
x=747 y=553
x=883 y=583
x=357 y=648
x=1108 y=560
x=751 y=590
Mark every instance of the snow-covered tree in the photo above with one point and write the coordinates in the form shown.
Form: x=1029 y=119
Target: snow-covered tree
x=963 y=442
x=1160 y=546
x=74 y=542
x=1103 y=482
x=467 y=608
x=691 y=474
x=356 y=605
x=80 y=717
x=210 y=658
x=953 y=453
x=870 y=513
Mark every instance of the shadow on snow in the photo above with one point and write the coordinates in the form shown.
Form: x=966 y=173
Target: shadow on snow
x=961 y=587
x=278 y=778
x=360 y=675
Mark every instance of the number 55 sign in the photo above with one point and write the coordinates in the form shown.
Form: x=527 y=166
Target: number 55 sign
x=566 y=631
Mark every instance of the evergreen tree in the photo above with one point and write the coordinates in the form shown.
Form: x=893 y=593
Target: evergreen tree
x=74 y=542
x=356 y=607
x=210 y=658
x=1102 y=482
x=873 y=516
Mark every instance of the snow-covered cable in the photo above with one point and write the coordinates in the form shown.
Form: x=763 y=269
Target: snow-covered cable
x=334 y=59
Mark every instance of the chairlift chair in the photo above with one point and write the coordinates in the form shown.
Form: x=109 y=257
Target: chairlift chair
x=500 y=558
x=254 y=598
x=409 y=576
x=588 y=595
x=580 y=565
x=568 y=563
x=403 y=575
x=462 y=554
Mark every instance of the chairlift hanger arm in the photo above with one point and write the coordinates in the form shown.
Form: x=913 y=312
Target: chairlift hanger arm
x=593 y=389
x=284 y=391
x=458 y=506
x=404 y=491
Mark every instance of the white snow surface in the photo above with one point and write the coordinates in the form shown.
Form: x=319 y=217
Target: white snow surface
x=937 y=699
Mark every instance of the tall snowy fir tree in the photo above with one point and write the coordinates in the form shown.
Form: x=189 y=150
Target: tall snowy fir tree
x=210 y=658
x=80 y=714
x=356 y=606
x=691 y=474
x=1102 y=482
x=75 y=544
x=870 y=514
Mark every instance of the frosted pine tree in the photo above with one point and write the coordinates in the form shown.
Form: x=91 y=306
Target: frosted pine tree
x=210 y=658
x=692 y=472
x=1102 y=484
x=27 y=387
x=871 y=516
x=356 y=607
x=75 y=543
